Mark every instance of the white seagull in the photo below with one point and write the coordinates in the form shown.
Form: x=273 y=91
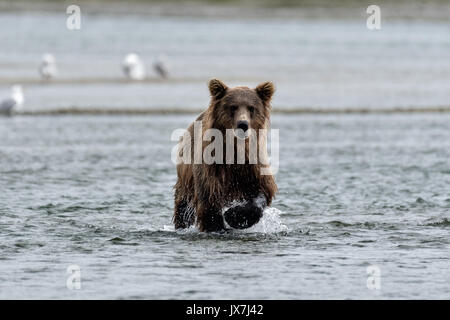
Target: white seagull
x=16 y=100
x=161 y=66
x=47 y=68
x=133 y=67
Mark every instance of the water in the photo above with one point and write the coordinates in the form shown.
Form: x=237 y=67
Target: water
x=355 y=191
x=328 y=62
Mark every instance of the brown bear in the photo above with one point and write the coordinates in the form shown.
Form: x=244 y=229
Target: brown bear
x=209 y=193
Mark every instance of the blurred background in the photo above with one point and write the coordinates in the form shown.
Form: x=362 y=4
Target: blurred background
x=320 y=54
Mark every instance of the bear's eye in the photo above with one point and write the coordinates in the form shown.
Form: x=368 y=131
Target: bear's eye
x=251 y=109
x=233 y=109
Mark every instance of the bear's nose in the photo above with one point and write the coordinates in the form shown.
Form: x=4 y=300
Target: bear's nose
x=243 y=125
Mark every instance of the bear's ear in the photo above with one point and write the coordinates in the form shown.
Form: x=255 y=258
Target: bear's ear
x=217 y=88
x=265 y=91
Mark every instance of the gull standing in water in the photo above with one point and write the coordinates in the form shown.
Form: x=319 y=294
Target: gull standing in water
x=13 y=103
x=161 y=66
x=133 y=67
x=48 y=69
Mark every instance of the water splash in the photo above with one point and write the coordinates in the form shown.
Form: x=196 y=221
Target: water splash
x=269 y=223
x=167 y=228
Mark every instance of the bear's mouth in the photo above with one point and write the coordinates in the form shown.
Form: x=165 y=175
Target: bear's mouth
x=241 y=134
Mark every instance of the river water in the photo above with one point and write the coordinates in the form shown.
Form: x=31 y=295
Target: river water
x=326 y=63
x=357 y=192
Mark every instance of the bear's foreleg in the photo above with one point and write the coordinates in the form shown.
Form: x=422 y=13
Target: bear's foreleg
x=209 y=217
x=209 y=198
x=246 y=214
x=184 y=215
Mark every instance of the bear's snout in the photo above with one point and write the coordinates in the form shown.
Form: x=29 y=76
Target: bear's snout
x=243 y=125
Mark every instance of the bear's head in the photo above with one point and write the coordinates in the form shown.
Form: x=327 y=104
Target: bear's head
x=240 y=107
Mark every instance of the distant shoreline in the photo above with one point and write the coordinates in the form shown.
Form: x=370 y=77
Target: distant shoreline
x=305 y=9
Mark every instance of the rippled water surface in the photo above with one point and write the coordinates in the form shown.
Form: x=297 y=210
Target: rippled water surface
x=326 y=63
x=96 y=191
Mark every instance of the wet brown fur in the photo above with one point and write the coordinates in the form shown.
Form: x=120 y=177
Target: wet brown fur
x=202 y=190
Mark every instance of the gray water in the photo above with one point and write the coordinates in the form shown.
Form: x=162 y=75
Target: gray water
x=354 y=191
x=328 y=62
